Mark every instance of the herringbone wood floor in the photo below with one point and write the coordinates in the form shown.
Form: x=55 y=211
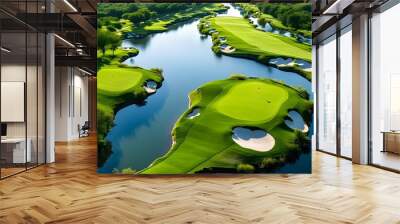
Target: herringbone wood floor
x=70 y=191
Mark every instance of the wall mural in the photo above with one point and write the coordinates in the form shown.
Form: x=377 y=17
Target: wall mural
x=187 y=88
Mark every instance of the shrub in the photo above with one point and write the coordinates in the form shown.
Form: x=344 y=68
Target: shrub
x=303 y=92
x=245 y=168
x=123 y=66
x=128 y=171
x=262 y=21
x=216 y=49
x=238 y=77
x=269 y=162
x=157 y=70
x=302 y=140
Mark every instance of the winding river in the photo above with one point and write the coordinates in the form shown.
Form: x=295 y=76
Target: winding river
x=143 y=133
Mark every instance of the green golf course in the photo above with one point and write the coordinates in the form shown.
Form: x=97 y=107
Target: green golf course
x=204 y=142
x=234 y=123
x=247 y=41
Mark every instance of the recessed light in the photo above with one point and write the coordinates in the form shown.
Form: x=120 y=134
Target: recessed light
x=86 y=72
x=64 y=40
x=5 y=50
x=70 y=5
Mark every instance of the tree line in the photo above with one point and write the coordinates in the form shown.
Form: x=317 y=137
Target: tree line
x=138 y=13
x=297 y=16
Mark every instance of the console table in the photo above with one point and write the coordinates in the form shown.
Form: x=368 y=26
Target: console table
x=13 y=150
x=391 y=141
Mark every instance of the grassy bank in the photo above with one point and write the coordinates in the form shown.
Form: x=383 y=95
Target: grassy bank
x=204 y=143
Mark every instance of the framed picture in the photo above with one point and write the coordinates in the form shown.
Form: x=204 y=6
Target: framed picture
x=188 y=88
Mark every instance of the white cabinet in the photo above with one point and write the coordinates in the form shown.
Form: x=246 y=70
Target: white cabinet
x=20 y=155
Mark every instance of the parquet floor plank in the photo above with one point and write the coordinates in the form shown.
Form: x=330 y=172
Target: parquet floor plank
x=70 y=191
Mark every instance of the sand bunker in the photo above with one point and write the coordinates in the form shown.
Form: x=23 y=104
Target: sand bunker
x=258 y=140
x=150 y=87
x=303 y=64
x=296 y=121
x=281 y=62
x=195 y=112
x=228 y=49
x=222 y=39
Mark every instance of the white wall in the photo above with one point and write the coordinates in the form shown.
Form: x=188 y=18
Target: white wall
x=71 y=102
x=33 y=126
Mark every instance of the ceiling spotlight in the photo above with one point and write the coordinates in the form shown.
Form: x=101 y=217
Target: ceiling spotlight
x=70 y=5
x=5 y=50
x=64 y=40
x=84 y=71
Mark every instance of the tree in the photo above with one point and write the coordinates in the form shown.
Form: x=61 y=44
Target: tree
x=262 y=21
x=298 y=20
x=103 y=39
x=141 y=15
x=115 y=42
x=106 y=38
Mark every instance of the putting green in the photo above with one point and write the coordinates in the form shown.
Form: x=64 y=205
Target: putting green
x=252 y=101
x=248 y=40
x=115 y=81
x=205 y=142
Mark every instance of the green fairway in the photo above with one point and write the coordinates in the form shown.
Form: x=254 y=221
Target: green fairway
x=205 y=142
x=115 y=81
x=249 y=41
x=252 y=101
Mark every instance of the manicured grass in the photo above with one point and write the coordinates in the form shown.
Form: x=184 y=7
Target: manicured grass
x=205 y=142
x=249 y=41
x=115 y=81
x=158 y=26
x=252 y=101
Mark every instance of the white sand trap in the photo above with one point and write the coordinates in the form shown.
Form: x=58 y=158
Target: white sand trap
x=308 y=69
x=149 y=90
x=296 y=121
x=228 y=50
x=258 y=140
x=195 y=113
x=150 y=87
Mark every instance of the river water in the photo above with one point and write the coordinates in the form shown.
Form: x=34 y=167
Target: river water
x=141 y=134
